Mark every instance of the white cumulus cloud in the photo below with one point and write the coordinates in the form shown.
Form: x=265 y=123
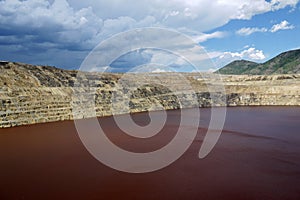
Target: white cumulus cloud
x=200 y=15
x=223 y=58
x=88 y=22
x=284 y=25
x=35 y=26
x=251 y=53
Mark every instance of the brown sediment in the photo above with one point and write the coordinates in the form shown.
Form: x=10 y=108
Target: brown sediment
x=257 y=157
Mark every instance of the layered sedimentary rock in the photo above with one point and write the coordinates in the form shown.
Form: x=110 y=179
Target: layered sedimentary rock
x=35 y=94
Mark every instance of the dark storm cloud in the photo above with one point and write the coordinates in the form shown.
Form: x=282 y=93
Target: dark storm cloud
x=61 y=28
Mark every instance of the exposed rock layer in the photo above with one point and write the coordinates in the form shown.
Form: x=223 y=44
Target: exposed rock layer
x=35 y=94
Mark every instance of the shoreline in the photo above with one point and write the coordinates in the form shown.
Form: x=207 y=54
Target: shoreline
x=144 y=112
x=36 y=94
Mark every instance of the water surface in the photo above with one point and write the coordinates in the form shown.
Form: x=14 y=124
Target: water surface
x=257 y=157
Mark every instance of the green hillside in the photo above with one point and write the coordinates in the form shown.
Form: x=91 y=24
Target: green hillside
x=285 y=63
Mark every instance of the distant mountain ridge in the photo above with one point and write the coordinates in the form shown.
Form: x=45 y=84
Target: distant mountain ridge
x=285 y=63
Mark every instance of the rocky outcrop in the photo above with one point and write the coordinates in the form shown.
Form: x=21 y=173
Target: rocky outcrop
x=36 y=94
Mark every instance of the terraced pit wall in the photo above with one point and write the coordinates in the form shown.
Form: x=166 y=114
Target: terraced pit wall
x=37 y=94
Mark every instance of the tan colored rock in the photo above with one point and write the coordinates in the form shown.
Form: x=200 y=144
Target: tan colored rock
x=37 y=94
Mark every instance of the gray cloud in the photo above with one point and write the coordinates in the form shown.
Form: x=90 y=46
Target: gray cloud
x=67 y=28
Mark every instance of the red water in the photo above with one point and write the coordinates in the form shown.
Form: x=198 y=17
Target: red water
x=256 y=157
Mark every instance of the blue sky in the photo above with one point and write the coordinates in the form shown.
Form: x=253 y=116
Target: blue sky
x=62 y=33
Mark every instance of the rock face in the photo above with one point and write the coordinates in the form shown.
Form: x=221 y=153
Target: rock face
x=36 y=94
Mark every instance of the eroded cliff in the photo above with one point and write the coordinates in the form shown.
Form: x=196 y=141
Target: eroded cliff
x=35 y=94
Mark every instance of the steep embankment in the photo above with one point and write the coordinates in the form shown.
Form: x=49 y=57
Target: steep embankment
x=35 y=94
x=285 y=63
